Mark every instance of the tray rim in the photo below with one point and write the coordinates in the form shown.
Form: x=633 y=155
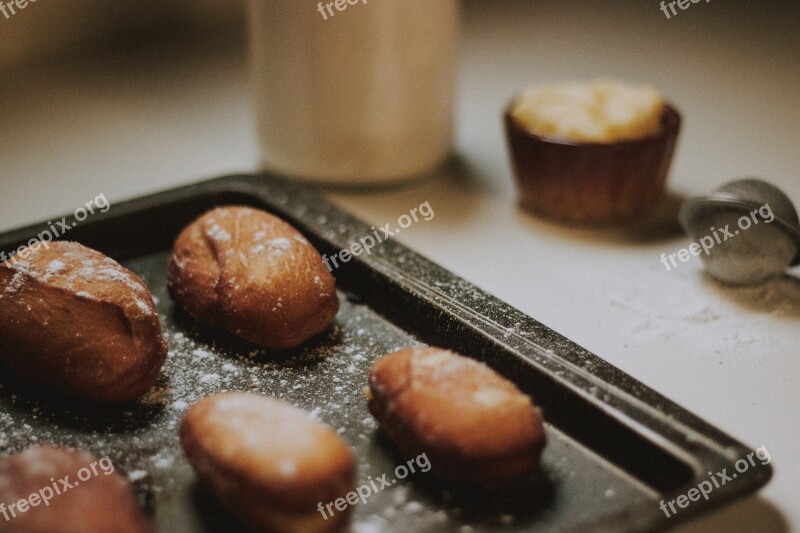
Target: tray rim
x=688 y=437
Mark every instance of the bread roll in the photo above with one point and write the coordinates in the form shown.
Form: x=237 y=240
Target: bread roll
x=268 y=462
x=253 y=274
x=76 y=321
x=58 y=490
x=476 y=427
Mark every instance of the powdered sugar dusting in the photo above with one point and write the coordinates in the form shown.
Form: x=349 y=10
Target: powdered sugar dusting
x=281 y=243
x=143 y=307
x=17 y=281
x=116 y=273
x=218 y=234
x=325 y=378
x=55 y=267
x=280 y=246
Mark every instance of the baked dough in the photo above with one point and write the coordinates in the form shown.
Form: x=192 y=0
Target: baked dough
x=268 y=463
x=77 y=321
x=66 y=491
x=476 y=427
x=249 y=272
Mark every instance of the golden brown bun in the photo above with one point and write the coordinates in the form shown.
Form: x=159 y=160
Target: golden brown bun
x=253 y=274
x=78 y=322
x=103 y=503
x=476 y=427
x=267 y=462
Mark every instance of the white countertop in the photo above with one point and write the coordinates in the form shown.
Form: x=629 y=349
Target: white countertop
x=124 y=125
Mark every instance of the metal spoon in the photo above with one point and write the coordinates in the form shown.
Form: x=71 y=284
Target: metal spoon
x=750 y=229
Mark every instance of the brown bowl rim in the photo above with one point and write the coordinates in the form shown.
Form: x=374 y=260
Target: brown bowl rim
x=671 y=120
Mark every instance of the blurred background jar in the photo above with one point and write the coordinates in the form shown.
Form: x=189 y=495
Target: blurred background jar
x=354 y=91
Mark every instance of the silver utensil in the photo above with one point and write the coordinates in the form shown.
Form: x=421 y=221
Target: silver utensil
x=750 y=230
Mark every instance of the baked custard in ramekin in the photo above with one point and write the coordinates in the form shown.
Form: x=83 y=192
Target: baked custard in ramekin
x=593 y=153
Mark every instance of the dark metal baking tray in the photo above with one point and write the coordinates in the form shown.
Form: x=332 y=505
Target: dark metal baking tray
x=616 y=448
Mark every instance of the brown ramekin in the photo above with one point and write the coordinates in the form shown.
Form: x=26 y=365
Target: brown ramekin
x=591 y=183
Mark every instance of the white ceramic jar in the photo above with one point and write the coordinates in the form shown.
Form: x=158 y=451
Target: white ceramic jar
x=354 y=91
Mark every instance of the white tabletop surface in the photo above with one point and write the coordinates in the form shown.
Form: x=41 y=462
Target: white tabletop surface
x=128 y=124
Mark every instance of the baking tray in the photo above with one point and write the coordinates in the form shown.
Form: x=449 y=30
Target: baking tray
x=615 y=447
